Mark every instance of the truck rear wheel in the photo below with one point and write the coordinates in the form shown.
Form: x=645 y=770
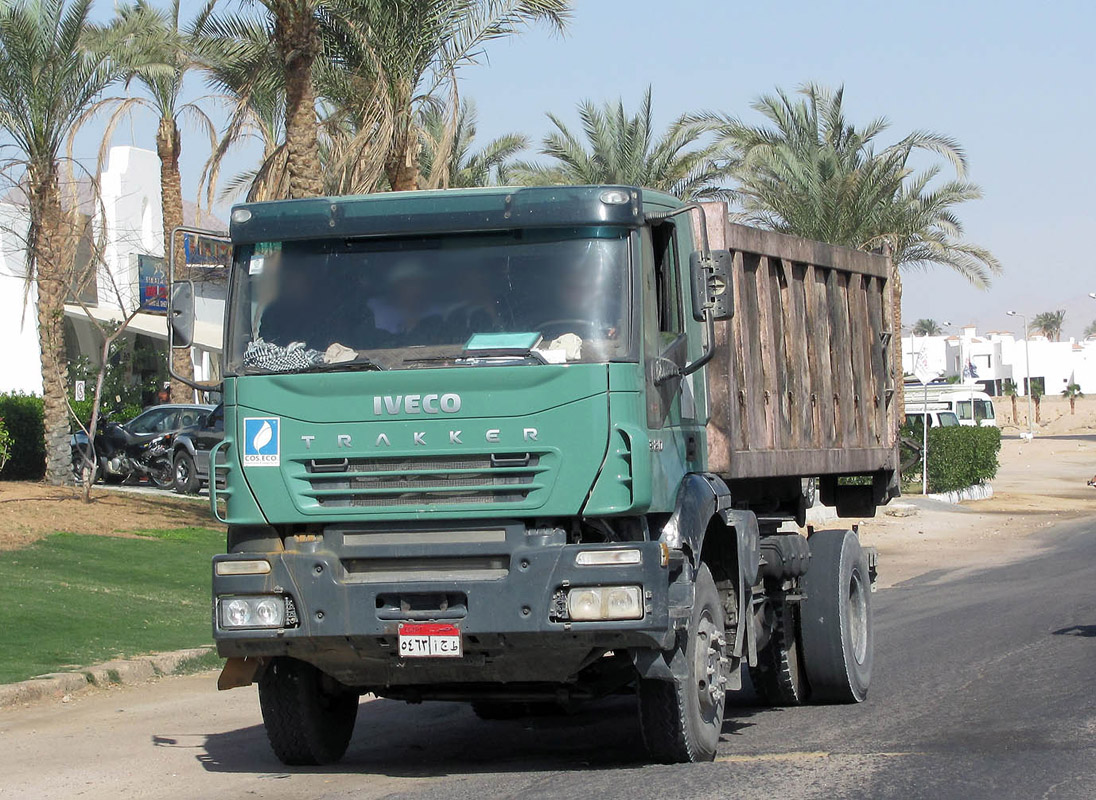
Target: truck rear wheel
x=309 y=718
x=681 y=720
x=779 y=676
x=835 y=619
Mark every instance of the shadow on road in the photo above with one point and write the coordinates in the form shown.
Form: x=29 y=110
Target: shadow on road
x=440 y=739
x=1088 y=631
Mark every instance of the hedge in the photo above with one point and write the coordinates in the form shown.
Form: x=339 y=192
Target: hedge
x=22 y=415
x=962 y=456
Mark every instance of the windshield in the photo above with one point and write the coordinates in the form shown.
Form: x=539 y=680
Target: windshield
x=407 y=303
x=948 y=419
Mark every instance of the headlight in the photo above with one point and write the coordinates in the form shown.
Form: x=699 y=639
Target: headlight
x=264 y=611
x=593 y=603
x=605 y=558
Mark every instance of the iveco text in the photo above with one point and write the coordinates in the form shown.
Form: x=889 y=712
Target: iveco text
x=417 y=404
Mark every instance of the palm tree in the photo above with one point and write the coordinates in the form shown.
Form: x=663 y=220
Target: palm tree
x=47 y=81
x=397 y=58
x=1037 y=388
x=372 y=65
x=458 y=166
x=622 y=148
x=154 y=49
x=282 y=46
x=812 y=173
x=1011 y=390
x=926 y=327
x=1071 y=393
x=1049 y=323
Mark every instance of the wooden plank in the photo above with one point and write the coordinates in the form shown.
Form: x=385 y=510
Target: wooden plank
x=822 y=340
x=779 y=245
x=766 y=334
x=840 y=359
x=861 y=363
x=834 y=461
x=782 y=418
x=873 y=310
x=796 y=344
x=752 y=389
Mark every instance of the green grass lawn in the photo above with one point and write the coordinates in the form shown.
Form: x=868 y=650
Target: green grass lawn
x=72 y=600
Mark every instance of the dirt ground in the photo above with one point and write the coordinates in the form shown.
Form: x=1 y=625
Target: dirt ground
x=1040 y=483
x=29 y=511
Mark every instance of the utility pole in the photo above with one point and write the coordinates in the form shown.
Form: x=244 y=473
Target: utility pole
x=1027 y=367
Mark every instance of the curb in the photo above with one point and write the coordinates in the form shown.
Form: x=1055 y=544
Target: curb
x=983 y=492
x=61 y=685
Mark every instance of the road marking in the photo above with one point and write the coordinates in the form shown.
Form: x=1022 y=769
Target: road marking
x=807 y=755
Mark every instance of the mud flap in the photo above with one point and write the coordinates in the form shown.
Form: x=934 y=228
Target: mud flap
x=239 y=672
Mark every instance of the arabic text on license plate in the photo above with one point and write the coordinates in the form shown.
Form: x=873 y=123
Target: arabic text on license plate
x=429 y=640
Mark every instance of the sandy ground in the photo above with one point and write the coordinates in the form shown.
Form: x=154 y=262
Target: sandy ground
x=29 y=511
x=1040 y=483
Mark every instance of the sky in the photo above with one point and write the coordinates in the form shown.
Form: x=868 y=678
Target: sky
x=1014 y=82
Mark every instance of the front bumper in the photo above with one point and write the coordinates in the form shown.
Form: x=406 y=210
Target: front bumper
x=499 y=582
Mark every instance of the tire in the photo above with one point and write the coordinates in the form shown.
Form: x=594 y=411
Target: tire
x=835 y=619
x=779 y=676
x=161 y=473
x=185 y=473
x=307 y=721
x=81 y=468
x=681 y=720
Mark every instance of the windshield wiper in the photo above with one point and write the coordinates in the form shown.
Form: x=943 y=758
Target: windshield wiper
x=466 y=357
x=359 y=364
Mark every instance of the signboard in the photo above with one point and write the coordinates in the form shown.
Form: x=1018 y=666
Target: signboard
x=202 y=251
x=81 y=391
x=152 y=284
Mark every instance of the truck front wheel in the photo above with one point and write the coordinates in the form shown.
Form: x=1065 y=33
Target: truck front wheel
x=309 y=718
x=835 y=619
x=681 y=720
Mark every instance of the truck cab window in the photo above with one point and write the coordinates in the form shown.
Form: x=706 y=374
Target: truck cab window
x=664 y=241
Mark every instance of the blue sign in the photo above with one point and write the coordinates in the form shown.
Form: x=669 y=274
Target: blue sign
x=262 y=442
x=152 y=283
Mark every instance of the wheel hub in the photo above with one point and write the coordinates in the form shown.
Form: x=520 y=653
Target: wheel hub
x=710 y=667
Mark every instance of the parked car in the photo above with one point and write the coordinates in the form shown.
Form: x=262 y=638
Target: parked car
x=132 y=450
x=937 y=418
x=192 y=449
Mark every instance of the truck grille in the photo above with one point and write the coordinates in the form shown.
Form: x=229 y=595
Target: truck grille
x=506 y=478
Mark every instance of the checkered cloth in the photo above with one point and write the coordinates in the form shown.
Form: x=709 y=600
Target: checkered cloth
x=274 y=358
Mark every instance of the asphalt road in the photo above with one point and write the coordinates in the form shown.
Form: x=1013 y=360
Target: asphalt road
x=985 y=687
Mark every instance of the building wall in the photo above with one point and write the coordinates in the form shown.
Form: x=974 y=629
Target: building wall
x=20 y=366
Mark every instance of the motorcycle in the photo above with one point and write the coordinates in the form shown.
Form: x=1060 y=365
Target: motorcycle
x=119 y=455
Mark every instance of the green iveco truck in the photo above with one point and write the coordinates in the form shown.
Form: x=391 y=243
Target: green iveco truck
x=527 y=447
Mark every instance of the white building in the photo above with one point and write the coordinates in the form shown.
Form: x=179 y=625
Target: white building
x=129 y=220
x=998 y=355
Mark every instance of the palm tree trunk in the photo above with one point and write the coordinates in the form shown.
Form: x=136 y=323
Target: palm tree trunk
x=1038 y=409
x=402 y=164
x=1015 y=420
x=1072 y=406
x=52 y=285
x=297 y=42
x=168 y=147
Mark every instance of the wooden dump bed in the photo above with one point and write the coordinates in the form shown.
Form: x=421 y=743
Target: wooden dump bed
x=803 y=378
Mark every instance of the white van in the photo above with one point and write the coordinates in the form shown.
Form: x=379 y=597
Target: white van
x=970 y=406
x=938 y=415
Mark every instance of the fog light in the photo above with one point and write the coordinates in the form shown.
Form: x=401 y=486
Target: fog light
x=603 y=558
x=604 y=603
x=263 y=611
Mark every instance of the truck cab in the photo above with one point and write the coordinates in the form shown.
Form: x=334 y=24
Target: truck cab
x=466 y=458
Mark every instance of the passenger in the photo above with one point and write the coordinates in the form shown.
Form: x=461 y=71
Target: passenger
x=302 y=310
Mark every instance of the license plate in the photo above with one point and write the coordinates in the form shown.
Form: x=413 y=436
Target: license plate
x=430 y=640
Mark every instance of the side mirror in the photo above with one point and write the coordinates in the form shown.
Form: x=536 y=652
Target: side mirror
x=180 y=314
x=711 y=285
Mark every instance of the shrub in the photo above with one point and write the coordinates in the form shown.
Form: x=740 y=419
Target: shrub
x=962 y=456
x=5 y=444
x=22 y=415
